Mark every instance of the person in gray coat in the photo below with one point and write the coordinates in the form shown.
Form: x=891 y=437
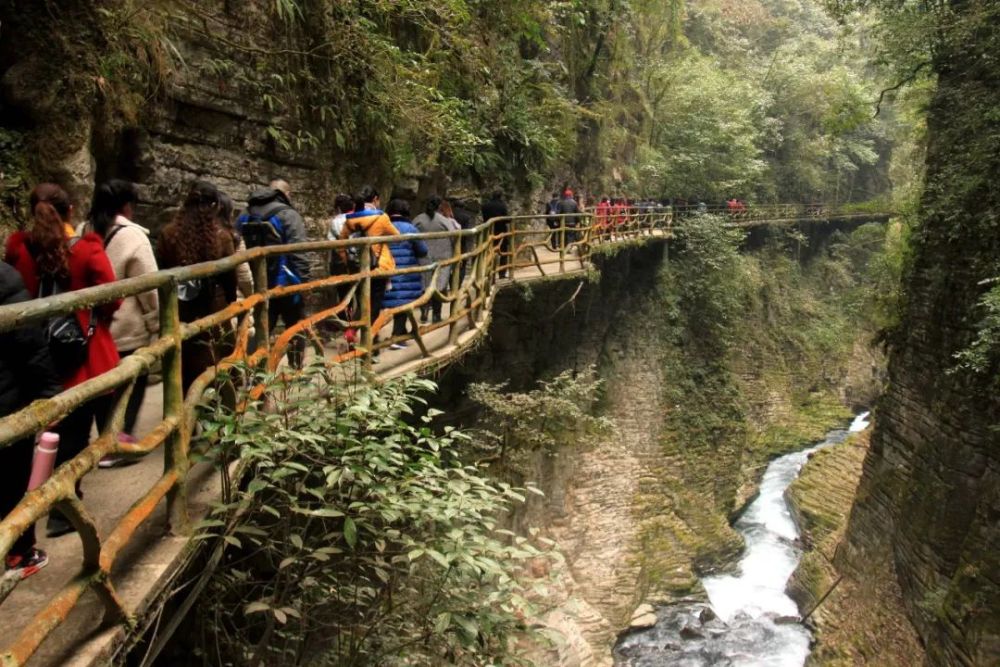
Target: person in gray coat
x=438 y=250
x=271 y=220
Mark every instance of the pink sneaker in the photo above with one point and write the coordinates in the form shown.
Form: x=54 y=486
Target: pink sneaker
x=115 y=461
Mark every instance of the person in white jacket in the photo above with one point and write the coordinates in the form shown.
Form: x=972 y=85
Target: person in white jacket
x=137 y=322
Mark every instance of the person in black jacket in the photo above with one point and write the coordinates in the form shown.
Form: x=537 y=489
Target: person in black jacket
x=26 y=374
x=466 y=219
x=293 y=268
x=495 y=207
x=568 y=205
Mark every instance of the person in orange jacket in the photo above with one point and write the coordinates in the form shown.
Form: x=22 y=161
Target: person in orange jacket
x=369 y=220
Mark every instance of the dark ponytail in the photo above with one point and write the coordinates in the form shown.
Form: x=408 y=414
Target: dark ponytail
x=109 y=200
x=433 y=204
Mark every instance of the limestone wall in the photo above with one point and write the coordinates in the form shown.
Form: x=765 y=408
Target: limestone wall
x=929 y=497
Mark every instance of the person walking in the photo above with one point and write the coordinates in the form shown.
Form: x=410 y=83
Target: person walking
x=567 y=207
x=552 y=219
x=466 y=219
x=137 y=322
x=603 y=215
x=407 y=254
x=439 y=250
x=495 y=209
x=368 y=220
x=343 y=205
x=271 y=220
x=244 y=274
x=26 y=374
x=51 y=263
x=196 y=236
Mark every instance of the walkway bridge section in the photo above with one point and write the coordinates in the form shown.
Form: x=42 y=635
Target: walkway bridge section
x=105 y=588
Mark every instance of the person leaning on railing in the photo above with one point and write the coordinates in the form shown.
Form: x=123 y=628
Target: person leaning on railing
x=369 y=220
x=50 y=263
x=26 y=374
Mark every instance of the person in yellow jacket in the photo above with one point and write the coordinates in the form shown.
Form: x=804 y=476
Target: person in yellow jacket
x=369 y=220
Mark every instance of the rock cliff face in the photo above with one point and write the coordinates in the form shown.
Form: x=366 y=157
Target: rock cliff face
x=700 y=404
x=929 y=498
x=195 y=122
x=857 y=617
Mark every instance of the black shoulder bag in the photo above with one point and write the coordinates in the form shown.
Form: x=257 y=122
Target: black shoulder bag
x=65 y=337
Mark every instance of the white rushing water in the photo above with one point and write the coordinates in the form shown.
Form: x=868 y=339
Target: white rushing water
x=757 y=623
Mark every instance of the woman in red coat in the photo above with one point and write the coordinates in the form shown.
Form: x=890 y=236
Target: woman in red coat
x=50 y=262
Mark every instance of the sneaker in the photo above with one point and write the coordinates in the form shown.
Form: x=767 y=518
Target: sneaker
x=116 y=461
x=398 y=346
x=28 y=563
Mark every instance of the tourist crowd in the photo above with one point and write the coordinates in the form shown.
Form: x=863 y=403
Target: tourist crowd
x=51 y=256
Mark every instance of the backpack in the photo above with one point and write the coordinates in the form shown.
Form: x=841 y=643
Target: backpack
x=258 y=231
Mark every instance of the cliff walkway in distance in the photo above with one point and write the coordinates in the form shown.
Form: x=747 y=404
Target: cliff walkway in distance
x=105 y=587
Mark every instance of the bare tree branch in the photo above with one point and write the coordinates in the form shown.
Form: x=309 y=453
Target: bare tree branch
x=909 y=79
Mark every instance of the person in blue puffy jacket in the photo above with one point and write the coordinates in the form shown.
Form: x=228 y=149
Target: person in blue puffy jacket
x=407 y=287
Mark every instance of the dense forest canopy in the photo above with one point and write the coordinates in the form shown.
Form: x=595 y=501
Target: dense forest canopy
x=767 y=100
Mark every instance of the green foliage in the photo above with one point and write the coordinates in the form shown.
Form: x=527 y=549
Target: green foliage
x=515 y=425
x=403 y=87
x=361 y=538
x=764 y=99
x=708 y=282
x=982 y=356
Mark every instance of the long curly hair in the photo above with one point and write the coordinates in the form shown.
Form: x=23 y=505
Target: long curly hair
x=195 y=232
x=50 y=213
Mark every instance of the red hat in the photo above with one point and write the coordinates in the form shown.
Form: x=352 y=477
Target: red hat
x=567 y=192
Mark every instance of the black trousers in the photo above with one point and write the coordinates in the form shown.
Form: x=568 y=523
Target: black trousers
x=74 y=429
x=379 y=286
x=15 y=471
x=555 y=236
x=399 y=327
x=290 y=309
x=134 y=401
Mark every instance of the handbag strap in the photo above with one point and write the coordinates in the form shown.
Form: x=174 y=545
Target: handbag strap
x=111 y=235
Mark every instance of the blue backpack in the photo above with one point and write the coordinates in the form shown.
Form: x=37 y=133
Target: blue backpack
x=258 y=231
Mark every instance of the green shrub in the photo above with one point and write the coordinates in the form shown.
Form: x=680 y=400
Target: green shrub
x=361 y=537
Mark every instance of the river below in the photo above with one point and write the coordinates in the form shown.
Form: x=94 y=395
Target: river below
x=749 y=620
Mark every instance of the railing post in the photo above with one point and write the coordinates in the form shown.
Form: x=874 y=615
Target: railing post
x=456 y=285
x=261 y=319
x=367 y=334
x=175 y=453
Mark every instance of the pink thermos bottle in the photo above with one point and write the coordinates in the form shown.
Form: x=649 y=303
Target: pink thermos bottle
x=44 y=460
